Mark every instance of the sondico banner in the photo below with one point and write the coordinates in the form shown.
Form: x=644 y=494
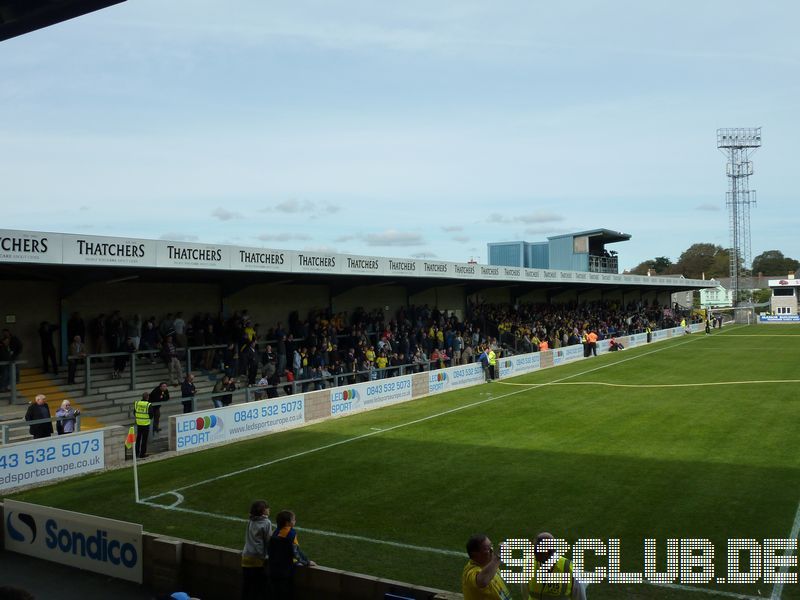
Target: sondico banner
x=106 y=546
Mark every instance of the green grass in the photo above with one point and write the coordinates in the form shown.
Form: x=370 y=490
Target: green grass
x=554 y=454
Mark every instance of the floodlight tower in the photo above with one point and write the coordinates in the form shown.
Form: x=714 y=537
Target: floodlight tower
x=738 y=145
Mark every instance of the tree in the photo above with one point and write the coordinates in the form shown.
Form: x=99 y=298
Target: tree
x=773 y=262
x=700 y=260
x=660 y=264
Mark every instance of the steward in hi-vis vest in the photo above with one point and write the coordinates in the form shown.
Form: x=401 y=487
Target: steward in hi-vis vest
x=143 y=410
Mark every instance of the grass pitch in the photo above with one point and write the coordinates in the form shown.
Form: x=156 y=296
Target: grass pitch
x=690 y=438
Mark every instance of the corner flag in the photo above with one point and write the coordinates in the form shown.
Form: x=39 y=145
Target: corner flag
x=130 y=439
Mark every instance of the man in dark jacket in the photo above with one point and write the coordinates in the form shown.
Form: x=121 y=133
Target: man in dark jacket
x=157 y=396
x=38 y=409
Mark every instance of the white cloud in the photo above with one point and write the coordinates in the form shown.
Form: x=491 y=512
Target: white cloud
x=321 y=249
x=282 y=237
x=292 y=206
x=392 y=237
x=344 y=238
x=223 y=214
x=178 y=237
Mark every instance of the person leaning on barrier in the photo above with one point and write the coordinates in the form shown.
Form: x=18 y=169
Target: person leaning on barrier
x=226 y=384
x=38 y=410
x=65 y=416
x=143 y=411
x=480 y=579
x=284 y=556
x=575 y=590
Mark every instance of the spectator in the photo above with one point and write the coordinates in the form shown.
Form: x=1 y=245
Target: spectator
x=39 y=410
x=169 y=352
x=46 y=331
x=143 y=410
x=77 y=353
x=150 y=338
x=492 y=362
x=159 y=394
x=284 y=556
x=179 y=326
x=188 y=390
x=289 y=388
x=226 y=384
x=254 y=554
x=15 y=348
x=65 y=417
x=483 y=358
x=122 y=360
x=574 y=589
x=249 y=358
x=5 y=370
x=480 y=579
x=76 y=326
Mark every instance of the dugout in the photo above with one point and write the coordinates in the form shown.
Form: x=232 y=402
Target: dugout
x=48 y=276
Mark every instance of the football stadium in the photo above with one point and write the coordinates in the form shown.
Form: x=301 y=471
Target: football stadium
x=668 y=440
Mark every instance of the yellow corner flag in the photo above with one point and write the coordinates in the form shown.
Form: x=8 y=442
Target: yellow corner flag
x=130 y=439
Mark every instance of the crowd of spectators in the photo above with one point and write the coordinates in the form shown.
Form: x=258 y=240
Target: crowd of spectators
x=360 y=345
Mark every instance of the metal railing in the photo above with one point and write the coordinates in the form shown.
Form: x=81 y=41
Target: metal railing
x=12 y=366
x=7 y=426
x=260 y=392
x=152 y=354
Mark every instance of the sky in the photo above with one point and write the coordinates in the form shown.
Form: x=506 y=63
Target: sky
x=407 y=129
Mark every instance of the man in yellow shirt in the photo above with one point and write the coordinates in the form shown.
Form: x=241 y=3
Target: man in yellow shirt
x=480 y=579
x=573 y=589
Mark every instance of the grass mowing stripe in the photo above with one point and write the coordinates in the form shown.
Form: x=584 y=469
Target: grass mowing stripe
x=346 y=536
x=414 y=422
x=663 y=385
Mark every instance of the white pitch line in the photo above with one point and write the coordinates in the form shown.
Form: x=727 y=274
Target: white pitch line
x=777 y=588
x=665 y=385
x=414 y=422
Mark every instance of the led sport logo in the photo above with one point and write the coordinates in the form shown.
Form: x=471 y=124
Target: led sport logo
x=209 y=422
x=14 y=529
x=346 y=395
x=441 y=377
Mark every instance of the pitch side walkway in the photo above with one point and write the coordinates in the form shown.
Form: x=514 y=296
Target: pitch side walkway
x=52 y=581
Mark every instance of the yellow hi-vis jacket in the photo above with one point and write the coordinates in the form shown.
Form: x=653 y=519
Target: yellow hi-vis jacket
x=142 y=410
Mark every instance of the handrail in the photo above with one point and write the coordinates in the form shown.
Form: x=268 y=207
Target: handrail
x=7 y=426
x=12 y=374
